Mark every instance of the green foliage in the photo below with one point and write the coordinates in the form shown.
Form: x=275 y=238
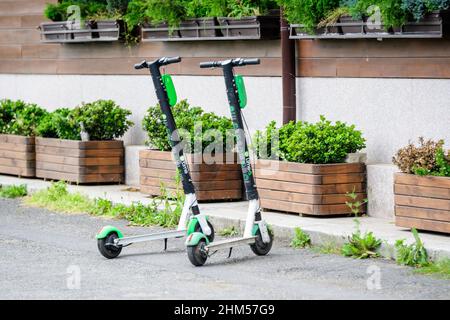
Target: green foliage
x=103 y=119
x=307 y=12
x=20 y=118
x=206 y=8
x=355 y=205
x=428 y=158
x=170 y=11
x=440 y=269
x=136 y=13
x=417 y=9
x=58 y=198
x=301 y=239
x=361 y=246
x=13 y=191
x=48 y=127
x=188 y=120
x=229 y=232
x=161 y=211
x=320 y=143
x=88 y=8
x=414 y=255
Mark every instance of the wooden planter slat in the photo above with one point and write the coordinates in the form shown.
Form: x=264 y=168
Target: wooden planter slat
x=422 y=202
x=17 y=155
x=309 y=189
x=80 y=161
x=212 y=181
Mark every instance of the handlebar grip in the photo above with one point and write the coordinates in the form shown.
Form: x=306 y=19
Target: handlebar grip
x=254 y=61
x=210 y=64
x=169 y=60
x=141 y=65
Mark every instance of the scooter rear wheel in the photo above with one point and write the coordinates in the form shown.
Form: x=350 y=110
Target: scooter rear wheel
x=106 y=248
x=197 y=254
x=259 y=247
x=198 y=228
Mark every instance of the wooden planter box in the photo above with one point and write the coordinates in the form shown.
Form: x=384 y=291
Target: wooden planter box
x=80 y=161
x=17 y=155
x=422 y=202
x=309 y=189
x=212 y=181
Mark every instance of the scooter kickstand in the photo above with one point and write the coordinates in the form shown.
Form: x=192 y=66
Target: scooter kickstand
x=165 y=244
x=229 y=254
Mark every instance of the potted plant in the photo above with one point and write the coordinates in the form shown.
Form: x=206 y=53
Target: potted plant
x=79 y=145
x=214 y=168
x=422 y=190
x=424 y=16
x=301 y=167
x=18 y=121
x=71 y=17
x=249 y=18
x=306 y=15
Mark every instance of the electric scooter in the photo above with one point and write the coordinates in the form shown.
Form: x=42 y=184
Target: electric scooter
x=110 y=240
x=256 y=233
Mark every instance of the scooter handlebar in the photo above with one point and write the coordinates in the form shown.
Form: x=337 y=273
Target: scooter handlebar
x=235 y=63
x=161 y=62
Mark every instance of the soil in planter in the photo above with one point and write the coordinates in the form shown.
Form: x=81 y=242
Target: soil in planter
x=213 y=182
x=80 y=162
x=17 y=155
x=307 y=189
x=422 y=202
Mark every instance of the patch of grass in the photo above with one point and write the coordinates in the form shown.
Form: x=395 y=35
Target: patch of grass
x=361 y=246
x=413 y=255
x=301 y=239
x=14 y=191
x=440 y=269
x=57 y=198
x=229 y=232
x=328 y=248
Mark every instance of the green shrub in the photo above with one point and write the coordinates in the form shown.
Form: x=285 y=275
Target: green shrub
x=319 y=143
x=136 y=13
x=361 y=246
x=428 y=158
x=88 y=8
x=20 y=118
x=13 y=191
x=187 y=118
x=49 y=124
x=414 y=255
x=103 y=119
x=301 y=239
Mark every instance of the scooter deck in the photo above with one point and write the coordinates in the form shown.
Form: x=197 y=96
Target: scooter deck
x=151 y=237
x=228 y=243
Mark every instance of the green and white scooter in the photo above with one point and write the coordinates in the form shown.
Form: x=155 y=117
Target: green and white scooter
x=256 y=233
x=110 y=239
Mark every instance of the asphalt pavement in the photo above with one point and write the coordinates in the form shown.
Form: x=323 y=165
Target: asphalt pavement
x=46 y=255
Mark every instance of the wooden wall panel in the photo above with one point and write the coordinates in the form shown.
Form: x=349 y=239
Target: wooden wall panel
x=390 y=58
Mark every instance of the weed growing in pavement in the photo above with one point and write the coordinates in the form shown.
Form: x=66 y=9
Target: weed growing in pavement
x=440 y=268
x=13 y=191
x=355 y=205
x=328 y=248
x=229 y=232
x=413 y=255
x=162 y=211
x=361 y=246
x=301 y=239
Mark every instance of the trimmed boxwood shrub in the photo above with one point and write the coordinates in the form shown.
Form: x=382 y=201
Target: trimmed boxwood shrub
x=187 y=118
x=102 y=119
x=20 y=118
x=318 y=143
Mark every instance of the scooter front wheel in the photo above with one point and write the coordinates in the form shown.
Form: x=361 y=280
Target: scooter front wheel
x=197 y=254
x=107 y=247
x=259 y=247
x=198 y=228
